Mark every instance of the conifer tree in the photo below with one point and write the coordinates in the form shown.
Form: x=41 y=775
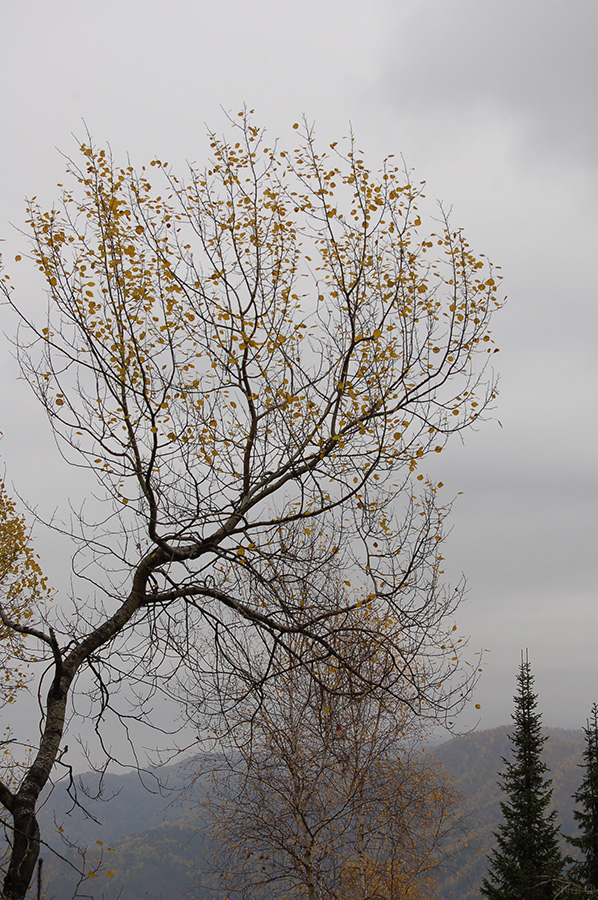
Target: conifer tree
x=526 y=863
x=586 y=870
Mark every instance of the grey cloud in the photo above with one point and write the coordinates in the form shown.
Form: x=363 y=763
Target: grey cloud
x=532 y=63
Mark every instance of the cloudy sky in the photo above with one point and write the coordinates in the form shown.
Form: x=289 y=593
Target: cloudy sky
x=493 y=104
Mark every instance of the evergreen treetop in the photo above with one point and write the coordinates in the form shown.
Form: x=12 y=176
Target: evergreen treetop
x=526 y=863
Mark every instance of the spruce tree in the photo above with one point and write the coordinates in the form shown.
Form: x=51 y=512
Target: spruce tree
x=526 y=863
x=586 y=870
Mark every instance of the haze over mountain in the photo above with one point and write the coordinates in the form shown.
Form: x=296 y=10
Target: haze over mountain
x=154 y=836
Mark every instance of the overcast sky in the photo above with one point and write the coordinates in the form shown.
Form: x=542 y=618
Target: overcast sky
x=493 y=104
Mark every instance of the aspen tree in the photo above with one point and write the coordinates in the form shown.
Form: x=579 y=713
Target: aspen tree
x=254 y=361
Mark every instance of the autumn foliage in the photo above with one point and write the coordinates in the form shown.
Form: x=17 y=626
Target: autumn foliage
x=23 y=593
x=254 y=361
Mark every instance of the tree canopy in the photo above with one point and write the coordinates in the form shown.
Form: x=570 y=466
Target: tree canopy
x=253 y=360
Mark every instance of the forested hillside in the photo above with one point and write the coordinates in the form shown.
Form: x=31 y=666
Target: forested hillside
x=149 y=838
x=153 y=834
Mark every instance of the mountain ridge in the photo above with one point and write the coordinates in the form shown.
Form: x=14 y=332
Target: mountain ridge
x=158 y=847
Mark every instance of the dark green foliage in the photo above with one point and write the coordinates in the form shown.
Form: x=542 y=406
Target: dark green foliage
x=586 y=870
x=472 y=762
x=526 y=863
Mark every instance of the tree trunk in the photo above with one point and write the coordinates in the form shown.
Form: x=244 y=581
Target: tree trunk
x=312 y=891
x=24 y=854
x=308 y=865
x=22 y=803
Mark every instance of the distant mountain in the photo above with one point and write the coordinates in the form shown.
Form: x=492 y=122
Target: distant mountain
x=151 y=841
x=157 y=846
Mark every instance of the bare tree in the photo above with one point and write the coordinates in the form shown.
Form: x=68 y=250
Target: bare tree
x=266 y=344
x=332 y=797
